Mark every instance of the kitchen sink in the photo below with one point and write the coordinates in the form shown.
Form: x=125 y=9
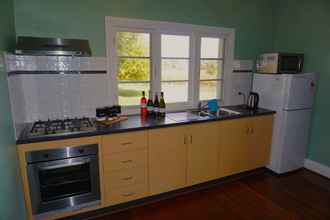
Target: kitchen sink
x=220 y=113
x=200 y=115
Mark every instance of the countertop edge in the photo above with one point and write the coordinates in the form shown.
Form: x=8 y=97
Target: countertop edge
x=99 y=133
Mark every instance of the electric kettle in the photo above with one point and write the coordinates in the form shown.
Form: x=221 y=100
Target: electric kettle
x=253 y=101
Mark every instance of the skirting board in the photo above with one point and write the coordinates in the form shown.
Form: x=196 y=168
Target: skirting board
x=317 y=168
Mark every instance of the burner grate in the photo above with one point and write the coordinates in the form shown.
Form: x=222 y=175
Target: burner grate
x=61 y=126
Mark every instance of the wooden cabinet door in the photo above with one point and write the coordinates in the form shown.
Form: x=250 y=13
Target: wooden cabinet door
x=167 y=159
x=261 y=130
x=234 y=152
x=203 y=145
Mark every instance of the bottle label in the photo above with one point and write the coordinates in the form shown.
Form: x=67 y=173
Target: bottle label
x=162 y=110
x=156 y=109
x=143 y=105
x=150 y=108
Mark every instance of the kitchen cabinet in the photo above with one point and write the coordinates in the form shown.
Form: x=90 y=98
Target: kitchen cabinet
x=167 y=159
x=244 y=144
x=233 y=146
x=138 y=164
x=261 y=130
x=125 y=167
x=203 y=146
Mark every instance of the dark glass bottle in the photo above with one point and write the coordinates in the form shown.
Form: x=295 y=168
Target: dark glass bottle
x=150 y=105
x=156 y=106
x=162 y=105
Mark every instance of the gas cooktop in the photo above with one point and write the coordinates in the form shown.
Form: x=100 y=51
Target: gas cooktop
x=61 y=126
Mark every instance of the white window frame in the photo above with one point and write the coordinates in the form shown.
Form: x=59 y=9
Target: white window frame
x=220 y=93
x=156 y=28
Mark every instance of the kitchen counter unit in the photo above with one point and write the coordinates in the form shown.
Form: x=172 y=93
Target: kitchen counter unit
x=138 y=159
x=135 y=122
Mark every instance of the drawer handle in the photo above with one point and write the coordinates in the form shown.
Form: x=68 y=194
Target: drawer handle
x=127 y=178
x=127 y=161
x=126 y=143
x=128 y=194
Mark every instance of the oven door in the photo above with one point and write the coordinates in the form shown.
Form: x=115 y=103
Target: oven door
x=64 y=184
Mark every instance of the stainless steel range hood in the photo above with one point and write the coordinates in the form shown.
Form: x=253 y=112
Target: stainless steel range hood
x=52 y=46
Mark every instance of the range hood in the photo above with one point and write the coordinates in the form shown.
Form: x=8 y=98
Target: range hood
x=52 y=46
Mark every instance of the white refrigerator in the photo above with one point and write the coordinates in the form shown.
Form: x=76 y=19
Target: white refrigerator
x=292 y=97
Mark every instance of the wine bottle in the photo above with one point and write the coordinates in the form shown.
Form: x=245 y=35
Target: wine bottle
x=162 y=105
x=143 y=104
x=156 y=106
x=150 y=105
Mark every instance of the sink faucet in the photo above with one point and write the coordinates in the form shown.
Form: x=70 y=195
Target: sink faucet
x=201 y=107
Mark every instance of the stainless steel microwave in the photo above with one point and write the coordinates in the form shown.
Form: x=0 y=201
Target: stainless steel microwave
x=277 y=63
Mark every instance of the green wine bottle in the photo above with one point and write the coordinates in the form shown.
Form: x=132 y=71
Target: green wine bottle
x=162 y=105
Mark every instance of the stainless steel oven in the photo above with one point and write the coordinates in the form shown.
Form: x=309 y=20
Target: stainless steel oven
x=63 y=179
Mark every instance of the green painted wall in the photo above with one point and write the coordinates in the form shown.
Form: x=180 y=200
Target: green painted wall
x=11 y=203
x=85 y=19
x=303 y=26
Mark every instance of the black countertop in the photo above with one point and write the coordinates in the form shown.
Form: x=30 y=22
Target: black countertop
x=135 y=122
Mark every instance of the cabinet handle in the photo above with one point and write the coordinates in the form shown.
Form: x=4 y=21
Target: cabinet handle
x=127 y=178
x=128 y=194
x=191 y=139
x=127 y=161
x=126 y=143
x=184 y=139
x=247 y=130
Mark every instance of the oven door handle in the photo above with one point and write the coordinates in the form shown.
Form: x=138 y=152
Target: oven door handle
x=70 y=164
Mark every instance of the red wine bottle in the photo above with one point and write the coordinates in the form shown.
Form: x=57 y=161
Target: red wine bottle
x=143 y=104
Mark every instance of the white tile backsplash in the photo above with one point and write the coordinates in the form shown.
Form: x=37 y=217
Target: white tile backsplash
x=54 y=63
x=52 y=96
x=241 y=82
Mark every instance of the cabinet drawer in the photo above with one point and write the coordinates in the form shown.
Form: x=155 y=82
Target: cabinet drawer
x=126 y=177
x=124 y=142
x=126 y=194
x=125 y=160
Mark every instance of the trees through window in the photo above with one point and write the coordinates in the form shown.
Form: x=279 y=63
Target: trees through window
x=188 y=66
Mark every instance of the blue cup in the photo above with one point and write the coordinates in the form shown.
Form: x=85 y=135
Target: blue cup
x=213 y=105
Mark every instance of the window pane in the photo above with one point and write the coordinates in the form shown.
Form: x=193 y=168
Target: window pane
x=175 y=91
x=208 y=90
x=130 y=93
x=175 y=46
x=133 y=69
x=133 y=44
x=175 y=69
x=211 y=69
x=211 y=47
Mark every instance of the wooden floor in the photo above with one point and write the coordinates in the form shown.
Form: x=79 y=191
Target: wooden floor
x=262 y=196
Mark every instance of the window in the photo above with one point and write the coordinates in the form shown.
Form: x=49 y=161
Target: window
x=133 y=71
x=211 y=68
x=175 y=58
x=189 y=63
